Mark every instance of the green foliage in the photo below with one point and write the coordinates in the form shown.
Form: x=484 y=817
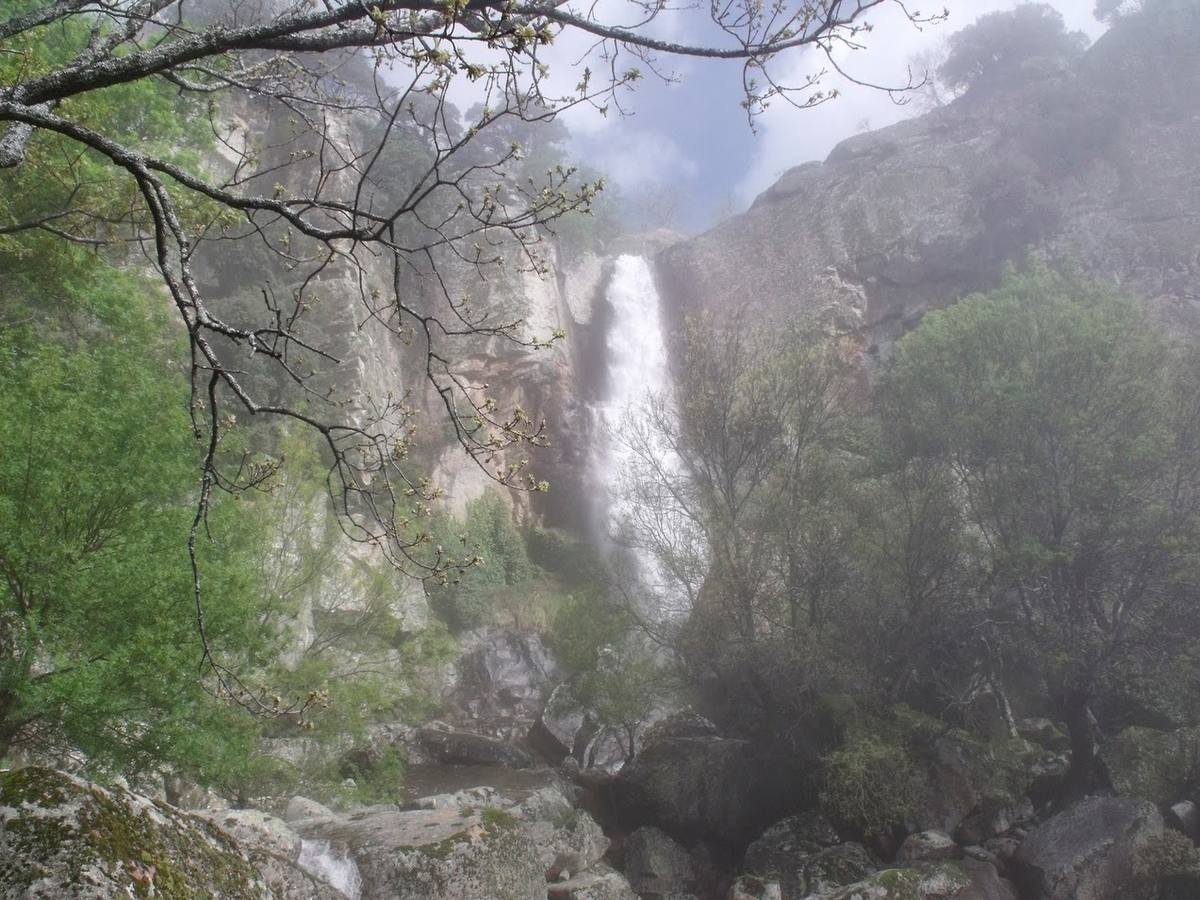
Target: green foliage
x=97 y=469
x=584 y=624
x=872 y=783
x=1165 y=855
x=489 y=537
x=993 y=49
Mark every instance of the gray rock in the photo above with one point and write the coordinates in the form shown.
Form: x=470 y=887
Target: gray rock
x=792 y=852
x=503 y=681
x=835 y=866
x=952 y=795
x=714 y=787
x=462 y=748
x=656 y=864
x=1044 y=733
x=598 y=883
x=751 y=887
x=967 y=880
x=451 y=854
x=567 y=839
x=258 y=830
x=303 y=808
x=992 y=819
x=1185 y=817
x=1087 y=852
x=1093 y=164
x=928 y=846
x=61 y=836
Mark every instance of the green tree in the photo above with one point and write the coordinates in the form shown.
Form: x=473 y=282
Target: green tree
x=1069 y=423
x=98 y=648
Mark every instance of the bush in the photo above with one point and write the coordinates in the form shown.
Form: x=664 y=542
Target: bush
x=872 y=784
x=489 y=536
x=1166 y=855
x=585 y=623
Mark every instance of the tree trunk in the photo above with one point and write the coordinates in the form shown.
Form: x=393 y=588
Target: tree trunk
x=1083 y=776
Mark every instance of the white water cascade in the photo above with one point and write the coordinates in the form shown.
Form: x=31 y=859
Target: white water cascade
x=638 y=375
x=336 y=868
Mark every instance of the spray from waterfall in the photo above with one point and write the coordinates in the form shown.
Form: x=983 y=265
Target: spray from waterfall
x=333 y=866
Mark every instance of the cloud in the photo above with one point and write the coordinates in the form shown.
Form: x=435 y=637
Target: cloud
x=641 y=159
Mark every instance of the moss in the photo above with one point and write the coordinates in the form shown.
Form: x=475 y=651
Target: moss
x=1166 y=855
x=1160 y=766
x=157 y=851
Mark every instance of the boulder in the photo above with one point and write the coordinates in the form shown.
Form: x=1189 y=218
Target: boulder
x=1184 y=817
x=992 y=819
x=751 y=887
x=462 y=748
x=503 y=680
x=1087 y=852
x=303 y=808
x=953 y=794
x=968 y=880
x=568 y=840
x=554 y=733
x=451 y=854
x=803 y=854
x=656 y=864
x=252 y=828
x=709 y=787
x=61 y=836
x=835 y=866
x=928 y=846
x=599 y=883
x=1044 y=733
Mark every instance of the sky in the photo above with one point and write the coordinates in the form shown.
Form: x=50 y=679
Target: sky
x=687 y=143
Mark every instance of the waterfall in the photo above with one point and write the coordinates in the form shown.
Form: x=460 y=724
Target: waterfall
x=637 y=369
x=336 y=867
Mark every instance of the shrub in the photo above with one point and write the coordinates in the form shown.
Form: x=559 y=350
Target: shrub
x=872 y=784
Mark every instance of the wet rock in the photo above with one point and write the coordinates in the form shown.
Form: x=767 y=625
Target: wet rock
x=451 y=854
x=462 y=748
x=658 y=865
x=598 y=883
x=1087 y=852
x=928 y=846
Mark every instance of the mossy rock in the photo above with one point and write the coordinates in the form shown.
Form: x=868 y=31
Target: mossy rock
x=61 y=836
x=938 y=881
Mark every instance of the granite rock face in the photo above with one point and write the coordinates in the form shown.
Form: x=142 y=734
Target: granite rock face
x=1092 y=164
x=1087 y=852
x=61 y=836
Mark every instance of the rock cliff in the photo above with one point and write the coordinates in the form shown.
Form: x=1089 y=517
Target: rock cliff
x=1091 y=164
